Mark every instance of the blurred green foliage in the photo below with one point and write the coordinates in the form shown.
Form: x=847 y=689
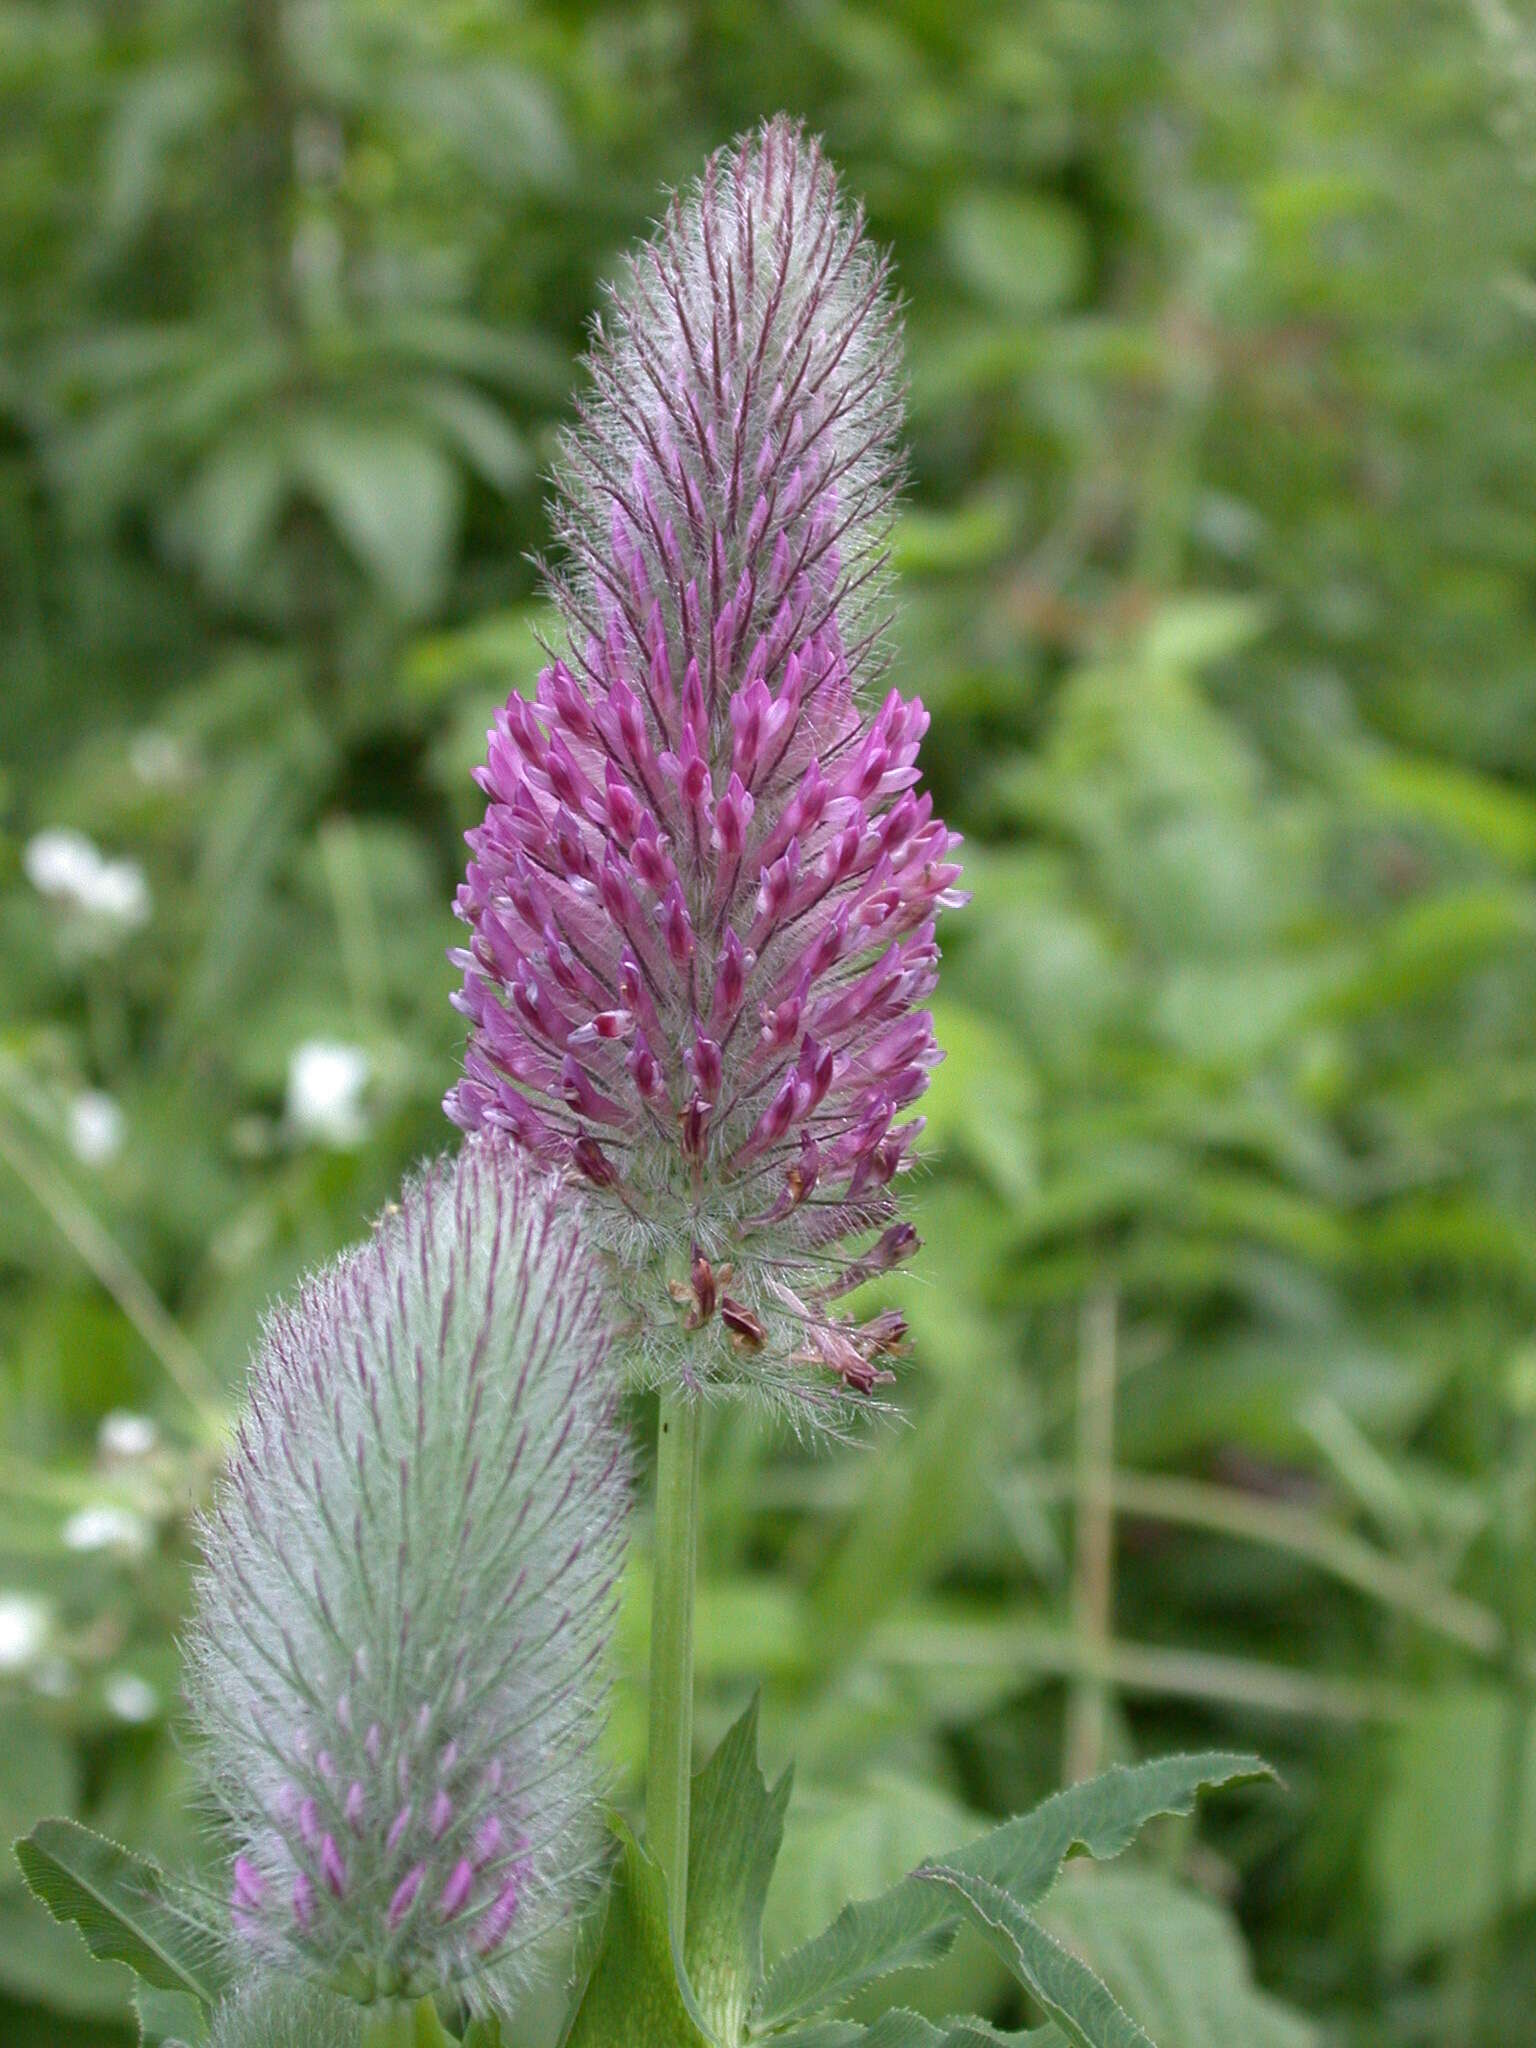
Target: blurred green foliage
x=1218 y=570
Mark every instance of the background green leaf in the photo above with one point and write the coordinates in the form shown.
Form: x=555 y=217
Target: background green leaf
x=1445 y=1807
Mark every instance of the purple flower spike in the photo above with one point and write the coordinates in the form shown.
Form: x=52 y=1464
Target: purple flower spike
x=408 y=1586
x=702 y=902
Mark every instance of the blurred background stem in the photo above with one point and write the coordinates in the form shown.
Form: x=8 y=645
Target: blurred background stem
x=121 y=1278
x=1093 y=1575
x=313 y=592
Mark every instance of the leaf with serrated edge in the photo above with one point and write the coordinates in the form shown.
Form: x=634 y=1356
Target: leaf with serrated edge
x=914 y=1923
x=636 y=1996
x=908 y=2030
x=735 y=1831
x=974 y=2033
x=1102 y=1816
x=1081 y=2004
x=118 y=1902
x=823 y=2034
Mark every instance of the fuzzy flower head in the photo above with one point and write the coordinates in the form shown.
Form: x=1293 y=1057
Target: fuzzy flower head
x=702 y=901
x=406 y=1594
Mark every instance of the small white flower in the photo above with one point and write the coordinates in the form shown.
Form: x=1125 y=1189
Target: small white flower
x=23 y=1630
x=105 y=1526
x=326 y=1080
x=130 y=1697
x=95 y=1128
x=124 y=1435
x=71 y=870
x=61 y=862
x=121 y=894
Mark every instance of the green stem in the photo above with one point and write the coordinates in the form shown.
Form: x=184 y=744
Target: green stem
x=406 y=2025
x=391 y=2026
x=670 y=1755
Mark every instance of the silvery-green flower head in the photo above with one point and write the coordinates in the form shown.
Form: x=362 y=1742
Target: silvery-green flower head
x=407 y=1590
x=702 y=902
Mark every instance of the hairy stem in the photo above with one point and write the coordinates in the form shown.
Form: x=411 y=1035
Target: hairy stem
x=670 y=1754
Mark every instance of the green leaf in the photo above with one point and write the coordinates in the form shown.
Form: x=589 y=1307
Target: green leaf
x=636 y=1996
x=158 y=111
x=1102 y=1816
x=870 y=1938
x=500 y=118
x=914 y=1922
x=1431 y=944
x=1083 y=2007
x=910 y=2030
x=231 y=508
x=1023 y=253
x=1199 y=628
x=518 y=357
x=823 y=2034
x=41 y=1965
x=393 y=496
x=1174 y=1959
x=1446 y=1809
x=118 y=1902
x=1477 y=809
x=172 y=2018
x=483 y=2034
x=38 y=1776
x=983 y=1102
x=591 y=1937
x=479 y=430
x=429 y=2029
x=941 y=543
x=847 y=1841
x=736 y=1828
